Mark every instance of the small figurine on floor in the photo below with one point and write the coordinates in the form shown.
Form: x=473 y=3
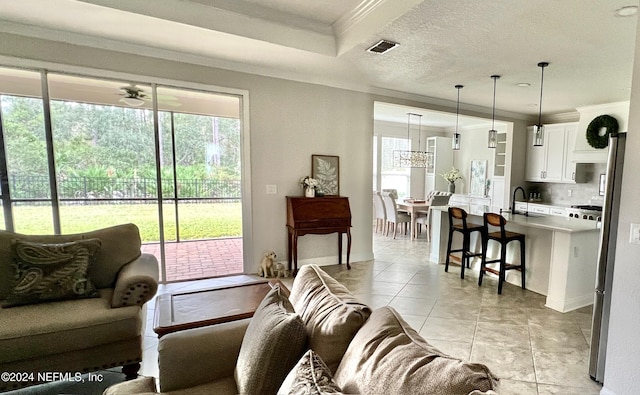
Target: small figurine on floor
x=266 y=266
x=281 y=271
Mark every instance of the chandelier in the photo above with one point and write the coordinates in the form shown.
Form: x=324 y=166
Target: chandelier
x=409 y=158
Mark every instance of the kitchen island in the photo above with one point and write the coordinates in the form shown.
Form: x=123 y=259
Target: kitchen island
x=561 y=253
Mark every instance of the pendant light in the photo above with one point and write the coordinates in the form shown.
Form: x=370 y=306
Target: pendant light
x=493 y=133
x=538 y=139
x=455 y=143
x=409 y=158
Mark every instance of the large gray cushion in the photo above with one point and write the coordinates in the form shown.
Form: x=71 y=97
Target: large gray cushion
x=387 y=356
x=331 y=314
x=274 y=341
x=120 y=245
x=78 y=325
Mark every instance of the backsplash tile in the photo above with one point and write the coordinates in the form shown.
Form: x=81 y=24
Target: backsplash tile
x=582 y=193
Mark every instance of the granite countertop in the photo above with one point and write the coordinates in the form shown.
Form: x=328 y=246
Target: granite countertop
x=541 y=221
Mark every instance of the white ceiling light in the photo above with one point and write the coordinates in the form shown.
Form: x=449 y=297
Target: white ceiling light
x=132 y=101
x=625 y=11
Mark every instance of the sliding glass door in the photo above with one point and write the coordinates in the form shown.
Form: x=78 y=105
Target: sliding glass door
x=102 y=152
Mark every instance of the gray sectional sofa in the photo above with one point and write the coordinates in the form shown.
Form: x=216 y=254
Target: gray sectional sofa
x=355 y=351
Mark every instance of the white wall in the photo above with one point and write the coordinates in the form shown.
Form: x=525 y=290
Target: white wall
x=473 y=146
x=622 y=370
x=289 y=121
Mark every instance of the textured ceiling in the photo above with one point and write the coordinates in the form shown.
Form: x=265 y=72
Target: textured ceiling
x=442 y=43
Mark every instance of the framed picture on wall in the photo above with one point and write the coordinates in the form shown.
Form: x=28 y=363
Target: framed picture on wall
x=326 y=169
x=478 y=178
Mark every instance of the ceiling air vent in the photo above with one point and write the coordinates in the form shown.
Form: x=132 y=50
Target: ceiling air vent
x=382 y=46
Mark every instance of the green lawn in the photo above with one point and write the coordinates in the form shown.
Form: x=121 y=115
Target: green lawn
x=197 y=220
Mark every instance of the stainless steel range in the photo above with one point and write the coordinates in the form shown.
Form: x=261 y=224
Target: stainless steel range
x=585 y=211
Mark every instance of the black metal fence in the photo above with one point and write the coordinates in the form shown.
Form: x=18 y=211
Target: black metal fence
x=110 y=188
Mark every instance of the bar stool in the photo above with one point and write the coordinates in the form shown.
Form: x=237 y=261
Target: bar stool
x=458 y=223
x=503 y=237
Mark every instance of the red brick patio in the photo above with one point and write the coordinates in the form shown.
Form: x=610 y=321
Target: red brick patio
x=188 y=260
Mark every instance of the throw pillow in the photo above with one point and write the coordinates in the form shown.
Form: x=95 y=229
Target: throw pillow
x=310 y=376
x=274 y=341
x=387 y=356
x=331 y=314
x=47 y=272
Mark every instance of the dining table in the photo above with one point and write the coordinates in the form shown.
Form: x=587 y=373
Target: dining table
x=414 y=208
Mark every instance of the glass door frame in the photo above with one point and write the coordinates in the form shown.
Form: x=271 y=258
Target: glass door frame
x=243 y=96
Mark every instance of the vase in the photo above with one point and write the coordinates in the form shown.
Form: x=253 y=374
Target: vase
x=452 y=187
x=309 y=192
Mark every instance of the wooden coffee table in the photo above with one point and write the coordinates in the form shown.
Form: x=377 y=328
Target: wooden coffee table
x=193 y=309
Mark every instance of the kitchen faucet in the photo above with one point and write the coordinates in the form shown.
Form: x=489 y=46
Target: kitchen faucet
x=513 y=200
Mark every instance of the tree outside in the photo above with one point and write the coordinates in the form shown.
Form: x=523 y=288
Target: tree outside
x=105 y=156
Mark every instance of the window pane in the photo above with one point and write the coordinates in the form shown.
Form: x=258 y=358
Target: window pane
x=26 y=150
x=393 y=177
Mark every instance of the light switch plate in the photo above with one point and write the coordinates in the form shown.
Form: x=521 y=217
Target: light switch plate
x=635 y=234
x=272 y=189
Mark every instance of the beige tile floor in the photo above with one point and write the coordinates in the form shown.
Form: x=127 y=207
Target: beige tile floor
x=534 y=350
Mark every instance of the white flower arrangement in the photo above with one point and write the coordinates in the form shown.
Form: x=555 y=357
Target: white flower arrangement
x=308 y=182
x=452 y=175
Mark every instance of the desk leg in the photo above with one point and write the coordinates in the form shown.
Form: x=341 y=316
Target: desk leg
x=348 y=248
x=289 y=249
x=339 y=248
x=295 y=254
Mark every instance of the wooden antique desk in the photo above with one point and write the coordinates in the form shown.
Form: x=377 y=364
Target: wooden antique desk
x=319 y=215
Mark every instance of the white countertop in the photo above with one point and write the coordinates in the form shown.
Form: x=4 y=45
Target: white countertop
x=551 y=222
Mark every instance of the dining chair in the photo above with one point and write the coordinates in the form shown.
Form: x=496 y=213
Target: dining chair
x=423 y=216
x=393 y=216
x=381 y=214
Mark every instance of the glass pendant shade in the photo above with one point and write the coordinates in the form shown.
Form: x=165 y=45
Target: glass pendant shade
x=455 y=143
x=538 y=137
x=492 y=141
x=493 y=138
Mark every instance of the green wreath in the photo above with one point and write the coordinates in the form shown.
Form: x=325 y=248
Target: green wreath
x=594 y=138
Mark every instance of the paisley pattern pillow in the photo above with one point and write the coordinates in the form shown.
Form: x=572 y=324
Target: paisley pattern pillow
x=310 y=376
x=46 y=272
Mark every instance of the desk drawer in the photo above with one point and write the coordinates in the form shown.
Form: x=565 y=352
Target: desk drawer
x=325 y=223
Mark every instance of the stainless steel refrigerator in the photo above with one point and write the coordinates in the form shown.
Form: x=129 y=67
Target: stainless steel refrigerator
x=606 y=256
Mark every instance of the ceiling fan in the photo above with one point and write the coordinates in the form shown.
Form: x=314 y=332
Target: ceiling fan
x=135 y=96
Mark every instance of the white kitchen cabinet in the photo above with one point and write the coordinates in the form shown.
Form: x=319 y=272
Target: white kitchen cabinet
x=481 y=201
x=440 y=162
x=569 y=173
x=553 y=162
x=497 y=193
x=539 y=209
x=500 y=155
